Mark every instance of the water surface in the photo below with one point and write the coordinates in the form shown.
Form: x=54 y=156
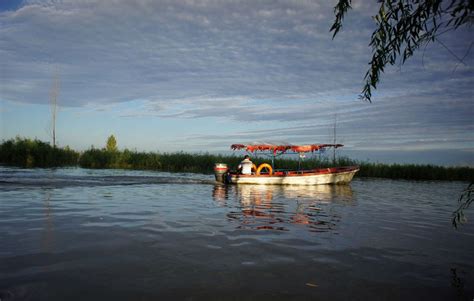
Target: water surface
x=75 y=234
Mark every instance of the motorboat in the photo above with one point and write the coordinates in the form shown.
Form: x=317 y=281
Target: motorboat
x=266 y=174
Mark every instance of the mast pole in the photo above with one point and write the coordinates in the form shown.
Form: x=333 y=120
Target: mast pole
x=54 y=105
x=334 y=141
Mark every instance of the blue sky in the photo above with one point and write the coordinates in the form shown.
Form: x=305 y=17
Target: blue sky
x=201 y=75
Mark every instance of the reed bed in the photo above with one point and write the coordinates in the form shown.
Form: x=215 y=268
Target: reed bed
x=25 y=152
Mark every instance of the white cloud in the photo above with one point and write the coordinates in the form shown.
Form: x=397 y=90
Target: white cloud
x=249 y=61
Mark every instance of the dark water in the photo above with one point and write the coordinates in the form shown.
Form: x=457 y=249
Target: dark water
x=74 y=234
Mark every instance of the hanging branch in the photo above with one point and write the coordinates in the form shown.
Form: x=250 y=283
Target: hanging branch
x=465 y=200
x=403 y=26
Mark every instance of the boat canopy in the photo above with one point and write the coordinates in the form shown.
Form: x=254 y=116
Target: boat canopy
x=282 y=148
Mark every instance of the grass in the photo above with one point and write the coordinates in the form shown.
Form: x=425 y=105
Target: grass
x=25 y=152
x=415 y=172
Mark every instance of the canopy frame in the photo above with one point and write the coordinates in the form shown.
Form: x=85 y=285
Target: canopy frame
x=274 y=150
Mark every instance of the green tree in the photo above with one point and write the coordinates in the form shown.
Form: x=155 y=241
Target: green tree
x=111 y=144
x=403 y=26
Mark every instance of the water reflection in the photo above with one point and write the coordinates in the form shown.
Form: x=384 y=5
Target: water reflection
x=220 y=194
x=267 y=207
x=458 y=284
x=47 y=237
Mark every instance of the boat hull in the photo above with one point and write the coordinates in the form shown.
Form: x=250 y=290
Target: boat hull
x=338 y=175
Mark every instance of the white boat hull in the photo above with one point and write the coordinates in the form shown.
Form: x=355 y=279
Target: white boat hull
x=314 y=177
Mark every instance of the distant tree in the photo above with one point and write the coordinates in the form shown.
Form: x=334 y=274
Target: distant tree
x=111 y=144
x=403 y=26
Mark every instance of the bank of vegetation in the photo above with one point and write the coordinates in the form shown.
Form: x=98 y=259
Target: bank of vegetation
x=25 y=152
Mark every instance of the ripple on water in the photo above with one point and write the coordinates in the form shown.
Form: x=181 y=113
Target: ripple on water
x=177 y=231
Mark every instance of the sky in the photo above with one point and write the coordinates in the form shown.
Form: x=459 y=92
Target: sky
x=198 y=76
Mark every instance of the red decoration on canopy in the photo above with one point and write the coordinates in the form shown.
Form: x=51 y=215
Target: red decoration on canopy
x=283 y=148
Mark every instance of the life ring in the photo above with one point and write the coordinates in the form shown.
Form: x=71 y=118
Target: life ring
x=262 y=166
x=254 y=167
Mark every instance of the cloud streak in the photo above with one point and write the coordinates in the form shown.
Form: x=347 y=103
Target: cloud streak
x=242 y=64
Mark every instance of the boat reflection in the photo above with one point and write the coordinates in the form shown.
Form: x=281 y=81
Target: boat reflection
x=283 y=207
x=220 y=194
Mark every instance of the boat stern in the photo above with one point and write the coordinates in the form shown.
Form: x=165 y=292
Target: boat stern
x=220 y=172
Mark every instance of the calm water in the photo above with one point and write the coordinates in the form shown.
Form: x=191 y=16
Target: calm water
x=74 y=234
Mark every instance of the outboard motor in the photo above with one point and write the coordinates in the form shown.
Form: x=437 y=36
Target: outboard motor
x=220 y=171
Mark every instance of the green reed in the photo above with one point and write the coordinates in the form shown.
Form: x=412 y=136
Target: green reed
x=204 y=163
x=26 y=152
x=415 y=172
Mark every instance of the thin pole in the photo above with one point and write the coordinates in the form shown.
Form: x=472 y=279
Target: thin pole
x=334 y=141
x=54 y=105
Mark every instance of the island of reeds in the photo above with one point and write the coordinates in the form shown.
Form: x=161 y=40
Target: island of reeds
x=31 y=153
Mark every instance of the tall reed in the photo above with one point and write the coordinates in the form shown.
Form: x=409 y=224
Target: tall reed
x=34 y=153
x=26 y=152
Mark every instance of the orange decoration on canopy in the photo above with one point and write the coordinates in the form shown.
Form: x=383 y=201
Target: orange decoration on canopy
x=283 y=148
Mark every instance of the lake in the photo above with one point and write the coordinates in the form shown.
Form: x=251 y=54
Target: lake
x=77 y=234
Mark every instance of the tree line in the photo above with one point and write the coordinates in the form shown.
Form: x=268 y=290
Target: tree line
x=31 y=153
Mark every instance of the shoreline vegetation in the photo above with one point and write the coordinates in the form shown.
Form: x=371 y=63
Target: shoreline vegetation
x=30 y=153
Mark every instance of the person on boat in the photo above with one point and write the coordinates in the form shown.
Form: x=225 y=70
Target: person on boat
x=245 y=166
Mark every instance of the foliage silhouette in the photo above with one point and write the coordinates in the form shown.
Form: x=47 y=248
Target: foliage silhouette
x=403 y=26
